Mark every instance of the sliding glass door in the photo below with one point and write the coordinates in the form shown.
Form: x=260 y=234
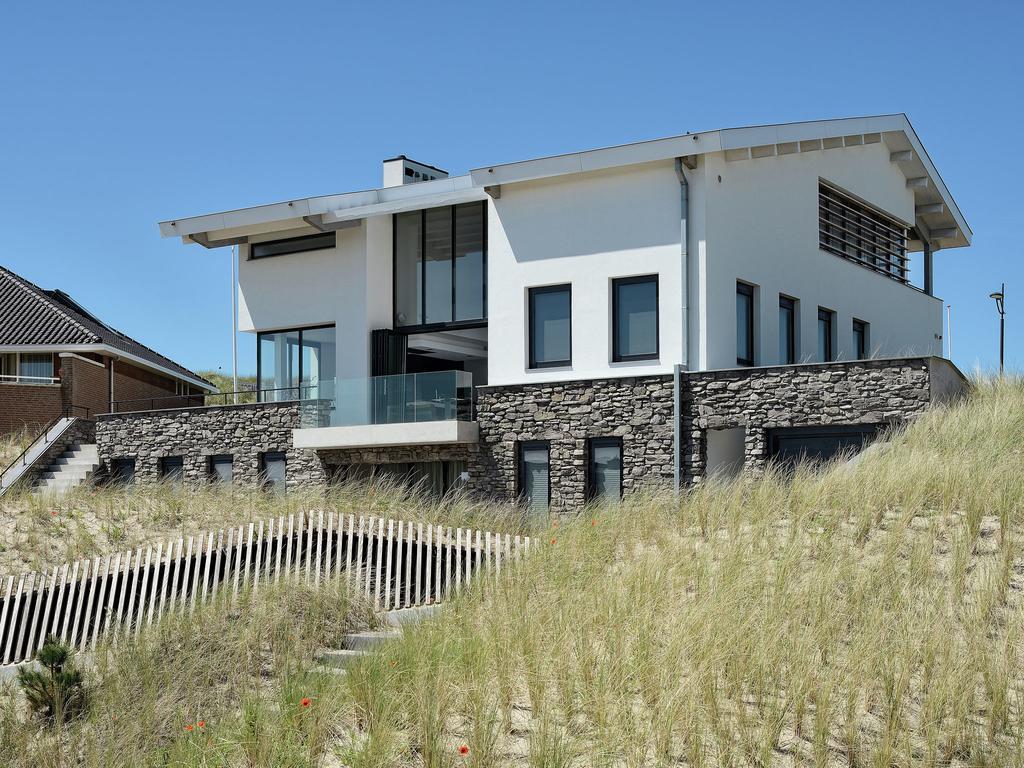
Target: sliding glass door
x=295 y=364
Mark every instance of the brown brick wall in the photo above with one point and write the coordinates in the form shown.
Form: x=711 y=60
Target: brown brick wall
x=28 y=406
x=85 y=385
x=131 y=383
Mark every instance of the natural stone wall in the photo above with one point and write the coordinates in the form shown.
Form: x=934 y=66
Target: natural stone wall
x=566 y=414
x=874 y=392
x=244 y=431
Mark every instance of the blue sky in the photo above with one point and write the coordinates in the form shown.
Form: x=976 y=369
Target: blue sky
x=115 y=116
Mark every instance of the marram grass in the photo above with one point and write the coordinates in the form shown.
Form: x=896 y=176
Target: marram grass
x=865 y=614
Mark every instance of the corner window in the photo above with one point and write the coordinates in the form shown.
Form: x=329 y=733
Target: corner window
x=296 y=364
x=863 y=234
x=220 y=469
x=172 y=469
x=635 y=318
x=317 y=242
x=535 y=475
x=604 y=476
x=122 y=472
x=860 y=339
x=744 y=324
x=787 y=330
x=272 y=471
x=550 y=326
x=825 y=325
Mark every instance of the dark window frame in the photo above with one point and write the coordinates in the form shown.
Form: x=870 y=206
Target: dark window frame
x=539 y=291
x=617 y=356
x=747 y=290
x=118 y=476
x=265 y=483
x=167 y=463
x=597 y=442
x=289 y=245
x=861 y=349
x=829 y=316
x=521 y=447
x=299 y=331
x=855 y=230
x=216 y=459
x=422 y=326
x=789 y=303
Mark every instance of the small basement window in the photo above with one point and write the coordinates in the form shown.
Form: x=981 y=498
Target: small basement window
x=535 y=475
x=220 y=468
x=604 y=476
x=172 y=469
x=272 y=470
x=122 y=472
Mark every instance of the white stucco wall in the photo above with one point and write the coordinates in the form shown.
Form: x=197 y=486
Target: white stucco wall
x=762 y=228
x=349 y=286
x=584 y=230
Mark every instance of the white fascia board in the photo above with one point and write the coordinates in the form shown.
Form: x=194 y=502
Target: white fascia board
x=382 y=435
x=106 y=349
x=343 y=207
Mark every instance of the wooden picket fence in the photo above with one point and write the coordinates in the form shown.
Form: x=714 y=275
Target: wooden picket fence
x=393 y=563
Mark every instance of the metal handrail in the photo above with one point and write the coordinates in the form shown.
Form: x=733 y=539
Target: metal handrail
x=116 y=405
x=17 y=378
x=22 y=457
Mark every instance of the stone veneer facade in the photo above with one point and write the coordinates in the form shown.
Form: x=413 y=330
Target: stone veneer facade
x=639 y=410
x=244 y=431
x=566 y=414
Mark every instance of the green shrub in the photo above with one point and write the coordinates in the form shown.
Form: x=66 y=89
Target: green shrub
x=56 y=692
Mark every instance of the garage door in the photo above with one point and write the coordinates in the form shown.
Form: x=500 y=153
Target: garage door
x=792 y=445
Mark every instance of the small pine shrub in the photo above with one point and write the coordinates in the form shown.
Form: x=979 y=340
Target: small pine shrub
x=57 y=692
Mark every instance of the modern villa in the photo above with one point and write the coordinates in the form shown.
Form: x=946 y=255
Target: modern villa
x=573 y=327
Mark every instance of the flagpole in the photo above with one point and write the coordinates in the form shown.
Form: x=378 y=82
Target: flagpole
x=234 y=323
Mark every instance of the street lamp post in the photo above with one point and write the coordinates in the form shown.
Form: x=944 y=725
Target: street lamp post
x=1000 y=297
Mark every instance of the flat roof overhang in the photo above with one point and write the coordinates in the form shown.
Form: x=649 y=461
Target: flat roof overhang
x=387 y=435
x=937 y=216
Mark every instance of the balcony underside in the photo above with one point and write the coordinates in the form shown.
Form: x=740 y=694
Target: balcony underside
x=382 y=435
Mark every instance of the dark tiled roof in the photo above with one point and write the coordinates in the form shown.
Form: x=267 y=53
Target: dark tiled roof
x=30 y=315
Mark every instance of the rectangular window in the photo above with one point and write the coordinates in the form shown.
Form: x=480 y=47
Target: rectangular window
x=440 y=266
x=550 y=326
x=292 y=365
x=35 y=365
x=534 y=475
x=856 y=231
x=172 y=469
x=272 y=471
x=825 y=351
x=604 y=476
x=860 y=339
x=122 y=472
x=787 y=330
x=744 y=324
x=220 y=468
x=635 y=318
x=316 y=242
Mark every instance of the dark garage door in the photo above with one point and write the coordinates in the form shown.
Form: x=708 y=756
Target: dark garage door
x=791 y=445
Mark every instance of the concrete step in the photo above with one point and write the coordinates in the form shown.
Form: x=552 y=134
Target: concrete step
x=402 y=616
x=337 y=658
x=73 y=461
x=366 y=641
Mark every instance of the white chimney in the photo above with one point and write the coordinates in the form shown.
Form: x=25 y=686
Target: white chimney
x=401 y=170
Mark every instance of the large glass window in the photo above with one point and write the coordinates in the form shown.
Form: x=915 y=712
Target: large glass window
x=787 y=330
x=440 y=265
x=635 y=318
x=550 y=326
x=534 y=475
x=825 y=317
x=744 y=324
x=604 y=478
x=293 y=364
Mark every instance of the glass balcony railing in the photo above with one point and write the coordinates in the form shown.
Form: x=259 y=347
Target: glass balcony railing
x=401 y=399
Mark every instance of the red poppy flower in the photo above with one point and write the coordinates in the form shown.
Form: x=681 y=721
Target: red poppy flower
x=593 y=523
x=554 y=541
x=201 y=723
x=463 y=750
x=188 y=727
x=305 y=701
x=554 y=523
x=53 y=513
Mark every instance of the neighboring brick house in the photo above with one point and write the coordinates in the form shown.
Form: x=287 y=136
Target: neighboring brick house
x=56 y=357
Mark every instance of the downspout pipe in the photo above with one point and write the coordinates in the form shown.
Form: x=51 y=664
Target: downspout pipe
x=684 y=352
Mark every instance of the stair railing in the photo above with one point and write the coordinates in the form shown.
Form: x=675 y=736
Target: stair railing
x=22 y=460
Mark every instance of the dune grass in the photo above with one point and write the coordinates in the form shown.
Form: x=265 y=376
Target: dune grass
x=38 y=531
x=864 y=614
x=11 y=446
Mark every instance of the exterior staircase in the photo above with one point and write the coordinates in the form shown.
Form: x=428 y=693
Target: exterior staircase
x=69 y=470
